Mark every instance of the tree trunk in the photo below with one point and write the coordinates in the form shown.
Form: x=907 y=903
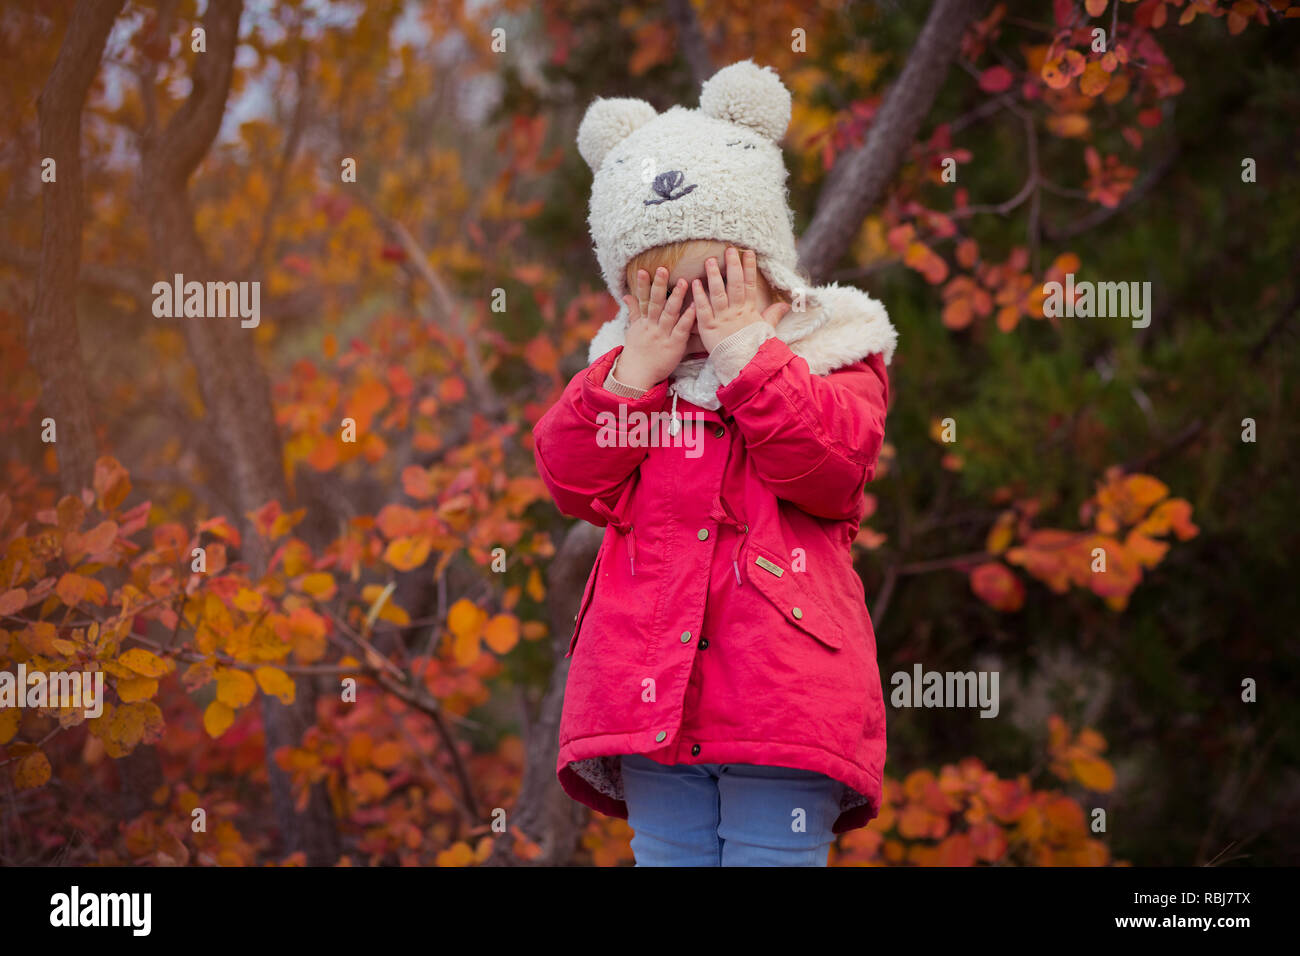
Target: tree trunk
x=52 y=335
x=543 y=810
x=236 y=392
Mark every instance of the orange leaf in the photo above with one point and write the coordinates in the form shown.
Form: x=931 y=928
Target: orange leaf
x=1094 y=773
x=502 y=633
x=1094 y=80
x=112 y=483
x=72 y=589
x=406 y=554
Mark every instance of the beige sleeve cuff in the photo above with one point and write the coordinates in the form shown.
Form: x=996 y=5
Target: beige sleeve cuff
x=734 y=352
x=615 y=387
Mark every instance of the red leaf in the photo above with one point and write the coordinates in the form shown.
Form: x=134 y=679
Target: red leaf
x=996 y=79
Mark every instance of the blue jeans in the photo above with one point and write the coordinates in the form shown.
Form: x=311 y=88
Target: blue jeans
x=728 y=814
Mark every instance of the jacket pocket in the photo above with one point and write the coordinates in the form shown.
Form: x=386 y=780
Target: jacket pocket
x=795 y=600
x=587 y=593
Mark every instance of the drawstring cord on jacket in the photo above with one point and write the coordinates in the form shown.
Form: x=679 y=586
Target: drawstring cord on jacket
x=674 y=423
x=722 y=514
x=622 y=526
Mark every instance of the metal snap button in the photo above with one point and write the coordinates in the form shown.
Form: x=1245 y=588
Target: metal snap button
x=798 y=614
x=704 y=643
x=719 y=432
x=686 y=637
x=695 y=751
x=702 y=534
x=660 y=736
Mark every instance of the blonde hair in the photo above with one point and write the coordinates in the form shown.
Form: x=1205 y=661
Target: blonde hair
x=669 y=254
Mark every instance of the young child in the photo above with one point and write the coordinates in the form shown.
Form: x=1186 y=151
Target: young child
x=723 y=693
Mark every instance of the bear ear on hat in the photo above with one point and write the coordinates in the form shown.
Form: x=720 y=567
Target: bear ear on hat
x=607 y=123
x=749 y=95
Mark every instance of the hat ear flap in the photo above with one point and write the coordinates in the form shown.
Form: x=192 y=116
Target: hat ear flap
x=607 y=123
x=748 y=95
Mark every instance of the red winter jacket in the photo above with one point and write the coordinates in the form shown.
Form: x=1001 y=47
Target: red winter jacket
x=723 y=621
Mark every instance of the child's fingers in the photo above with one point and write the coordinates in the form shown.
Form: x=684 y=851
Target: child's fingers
x=672 y=308
x=686 y=323
x=658 y=293
x=735 y=277
x=717 y=289
x=703 y=310
x=751 y=276
x=643 y=289
x=633 y=307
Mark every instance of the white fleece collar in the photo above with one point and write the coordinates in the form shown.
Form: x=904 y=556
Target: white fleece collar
x=841 y=325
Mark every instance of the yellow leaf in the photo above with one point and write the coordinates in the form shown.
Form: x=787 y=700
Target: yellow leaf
x=388 y=611
x=276 y=682
x=32 y=771
x=1002 y=533
x=319 y=585
x=136 y=688
x=9 y=720
x=235 y=688
x=248 y=601
x=145 y=663
x=217 y=718
x=465 y=649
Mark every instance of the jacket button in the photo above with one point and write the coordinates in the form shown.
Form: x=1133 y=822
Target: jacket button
x=659 y=737
x=719 y=432
x=704 y=643
x=695 y=751
x=798 y=614
x=702 y=534
x=686 y=637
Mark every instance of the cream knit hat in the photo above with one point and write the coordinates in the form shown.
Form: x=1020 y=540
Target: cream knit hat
x=712 y=173
x=715 y=173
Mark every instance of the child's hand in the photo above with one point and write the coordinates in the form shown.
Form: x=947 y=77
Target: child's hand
x=657 y=331
x=730 y=307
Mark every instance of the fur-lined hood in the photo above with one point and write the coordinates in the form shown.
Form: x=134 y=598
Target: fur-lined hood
x=839 y=326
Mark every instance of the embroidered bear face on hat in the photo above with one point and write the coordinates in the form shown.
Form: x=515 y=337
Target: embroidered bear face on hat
x=710 y=173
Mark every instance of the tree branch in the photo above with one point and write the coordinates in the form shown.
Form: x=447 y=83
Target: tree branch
x=690 y=37
x=859 y=177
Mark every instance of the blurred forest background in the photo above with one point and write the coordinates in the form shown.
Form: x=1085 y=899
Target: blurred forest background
x=334 y=643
